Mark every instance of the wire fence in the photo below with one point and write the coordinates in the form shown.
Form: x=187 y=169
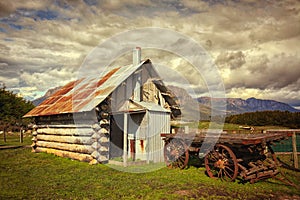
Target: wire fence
x=289 y=152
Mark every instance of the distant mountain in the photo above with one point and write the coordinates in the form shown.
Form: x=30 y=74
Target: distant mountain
x=51 y=91
x=200 y=108
x=232 y=105
x=191 y=109
x=238 y=105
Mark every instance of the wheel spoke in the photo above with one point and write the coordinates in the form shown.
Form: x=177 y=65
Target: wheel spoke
x=180 y=161
x=175 y=153
x=180 y=164
x=214 y=157
x=220 y=174
x=227 y=174
x=228 y=168
x=221 y=163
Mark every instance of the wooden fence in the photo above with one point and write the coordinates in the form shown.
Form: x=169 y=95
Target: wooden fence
x=290 y=146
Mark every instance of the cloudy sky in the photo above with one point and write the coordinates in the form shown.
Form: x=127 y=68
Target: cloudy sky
x=254 y=44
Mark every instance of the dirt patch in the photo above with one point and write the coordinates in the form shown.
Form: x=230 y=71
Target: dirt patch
x=218 y=193
x=212 y=193
x=183 y=192
x=203 y=192
x=286 y=197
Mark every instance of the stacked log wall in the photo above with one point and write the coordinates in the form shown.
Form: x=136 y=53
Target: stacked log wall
x=75 y=142
x=103 y=131
x=88 y=143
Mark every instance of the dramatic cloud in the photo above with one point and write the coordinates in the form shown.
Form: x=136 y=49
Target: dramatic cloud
x=255 y=44
x=6 y=8
x=233 y=60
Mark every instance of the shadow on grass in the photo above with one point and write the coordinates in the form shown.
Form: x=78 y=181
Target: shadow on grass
x=3 y=147
x=195 y=161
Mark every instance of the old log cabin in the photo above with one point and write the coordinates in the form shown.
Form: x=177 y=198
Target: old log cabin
x=117 y=115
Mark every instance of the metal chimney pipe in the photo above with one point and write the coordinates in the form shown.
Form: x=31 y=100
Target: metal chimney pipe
x=136 y=57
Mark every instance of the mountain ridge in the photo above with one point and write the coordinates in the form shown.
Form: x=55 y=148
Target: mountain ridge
x=194 y=108
x=232 y=105
x=239 y=105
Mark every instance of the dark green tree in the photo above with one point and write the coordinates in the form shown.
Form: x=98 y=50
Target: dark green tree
x=12 y=109
x=265 y=118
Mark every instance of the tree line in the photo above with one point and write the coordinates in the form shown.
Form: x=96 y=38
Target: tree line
x=12 y=109
x=267 y=118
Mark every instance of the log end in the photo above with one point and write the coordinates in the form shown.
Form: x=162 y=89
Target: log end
x=93 y=162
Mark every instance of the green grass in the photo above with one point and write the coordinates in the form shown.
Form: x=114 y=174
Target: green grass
x=206 y=125
x=13 y=139
x=227 y=126
x=27 y=175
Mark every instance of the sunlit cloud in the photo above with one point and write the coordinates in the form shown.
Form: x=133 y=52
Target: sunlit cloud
x=255 y=44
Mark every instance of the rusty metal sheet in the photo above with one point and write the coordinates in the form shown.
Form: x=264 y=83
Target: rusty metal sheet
x=107 y=76
x=37 y=110
x=85 y=93
x=103 y=91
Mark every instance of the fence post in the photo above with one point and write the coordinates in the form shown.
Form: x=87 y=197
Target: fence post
x=21 y=135
x=4 y=135
x=295 y=156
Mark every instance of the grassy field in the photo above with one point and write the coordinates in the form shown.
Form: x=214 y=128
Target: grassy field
x=13 y=139
x=226 y=126
x=27 y=175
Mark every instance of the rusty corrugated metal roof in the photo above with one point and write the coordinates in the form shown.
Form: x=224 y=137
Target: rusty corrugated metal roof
x=84 y=94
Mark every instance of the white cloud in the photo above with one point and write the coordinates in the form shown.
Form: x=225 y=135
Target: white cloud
x=255 y=43
x=41 y=80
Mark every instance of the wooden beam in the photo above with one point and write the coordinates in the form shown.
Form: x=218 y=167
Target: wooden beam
x=66 y=139
x=87 y=149
x=65 y=126
x=66 y=131
x=125 y=155
x=295 y=156
x=21 y=135
x=67 y=154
